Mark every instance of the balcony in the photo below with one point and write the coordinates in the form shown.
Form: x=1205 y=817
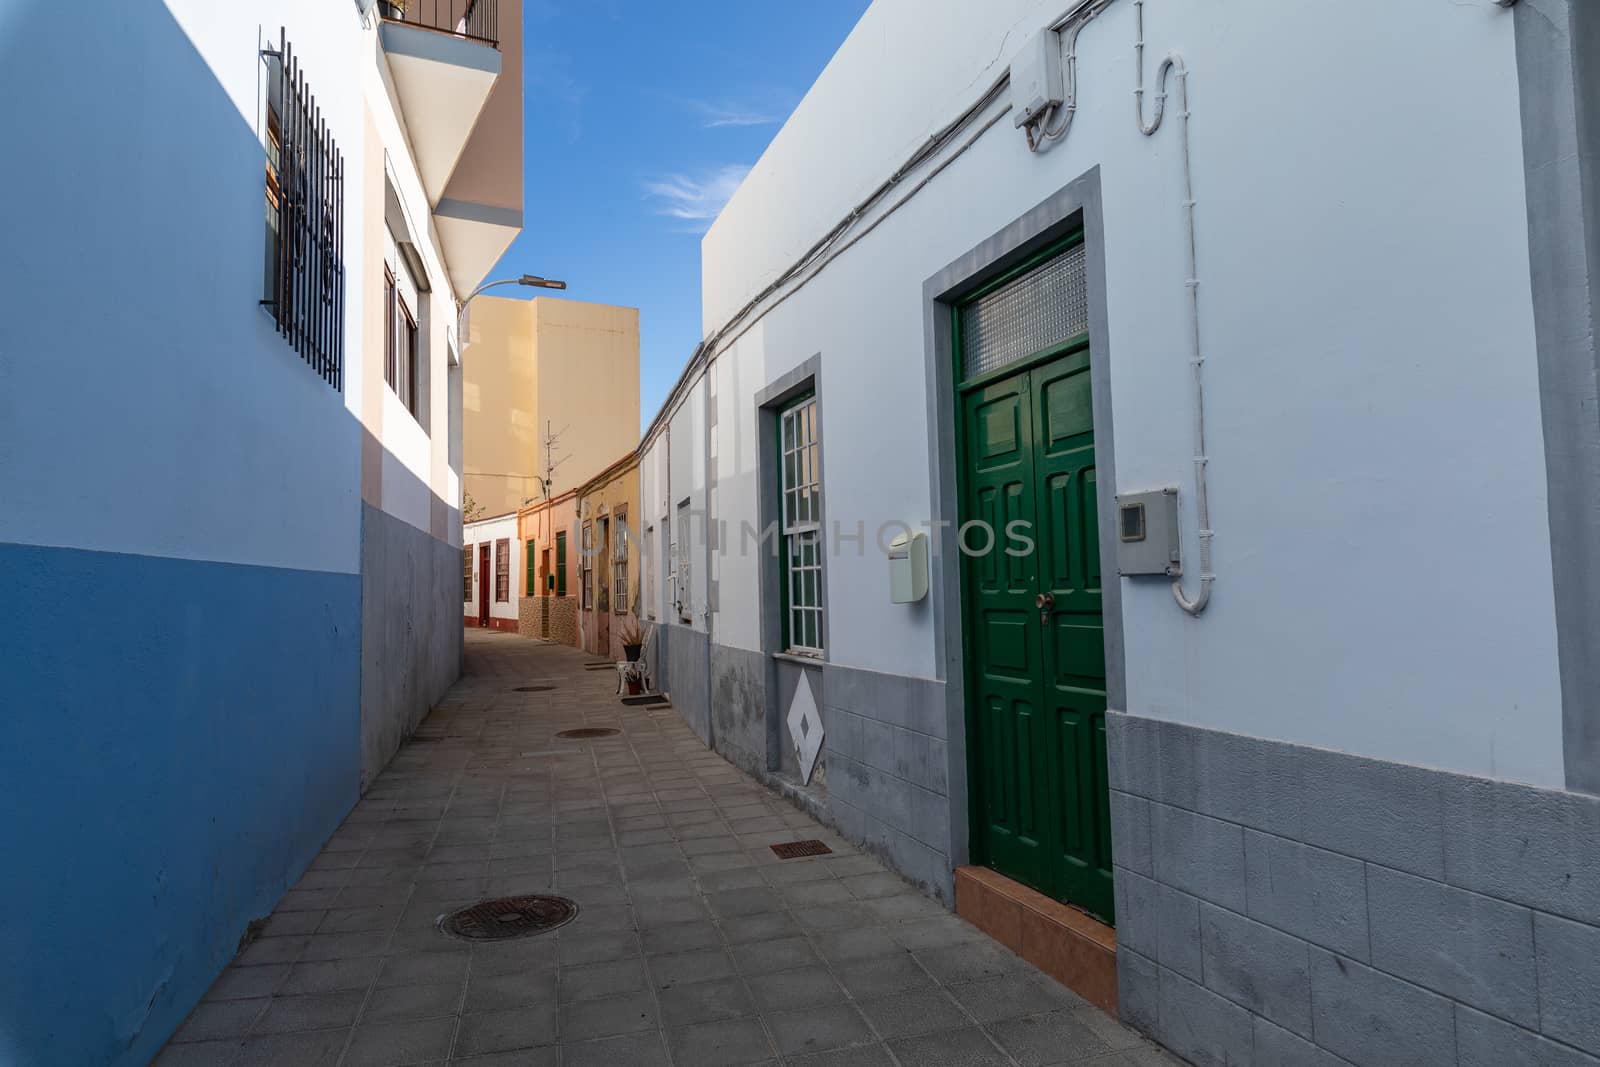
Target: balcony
x=473 y=20
x=444 y=58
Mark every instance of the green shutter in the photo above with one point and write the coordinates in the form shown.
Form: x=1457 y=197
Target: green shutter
x=561 y=564
x=530 y=568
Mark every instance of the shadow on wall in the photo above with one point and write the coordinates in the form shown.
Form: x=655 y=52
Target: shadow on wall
x=182 y=734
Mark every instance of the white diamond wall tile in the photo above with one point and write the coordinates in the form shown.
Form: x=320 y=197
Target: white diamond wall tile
x=805 y=728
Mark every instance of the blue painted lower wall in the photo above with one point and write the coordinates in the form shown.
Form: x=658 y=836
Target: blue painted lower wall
x=179 y=739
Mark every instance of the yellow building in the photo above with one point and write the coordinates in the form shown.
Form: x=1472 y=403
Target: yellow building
x=550 y=391
x=608 y=564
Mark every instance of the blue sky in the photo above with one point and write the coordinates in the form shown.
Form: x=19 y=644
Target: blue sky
x=640 y=120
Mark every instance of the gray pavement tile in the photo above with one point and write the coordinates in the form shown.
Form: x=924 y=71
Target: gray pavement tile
x=818 y=1029
x=968 y=1047
x=597 y=980
x=197 y=1054
x=839 y=946
x=859 y=1056
x=688 y=967
x=241 y=983
x=597 y=946
x=396 y=1043
x=214 y=1020
x=971 y=962
x=412 y=1002
x=424 y=968
x=764 y=927
x=805 y=987
x=330 y=976
x=322 y=1011
x=765 y=957
x=505 y=1030
x=1047 y=1040
x=880 y=975
x=679 y=937
x=1010 y=996
x=626 y=1014
x=634 y=1050
x=311 y=1048
x=909 y=1014
x=699 y=1002
x=732 y=1043
x=501 y=992
x=734 y=903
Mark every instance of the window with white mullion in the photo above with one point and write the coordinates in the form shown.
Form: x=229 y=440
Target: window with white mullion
x=802 y=526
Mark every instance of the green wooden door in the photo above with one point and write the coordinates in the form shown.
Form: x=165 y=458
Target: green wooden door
x=1034 y=632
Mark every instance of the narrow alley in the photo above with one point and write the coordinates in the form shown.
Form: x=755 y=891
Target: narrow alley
x=694 y=944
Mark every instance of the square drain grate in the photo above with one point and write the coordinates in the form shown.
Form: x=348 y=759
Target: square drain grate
x=794 y=850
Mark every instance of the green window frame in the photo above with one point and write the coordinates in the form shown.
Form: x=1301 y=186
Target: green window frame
x=800 y=485
x=561 y=563
x=532 y=571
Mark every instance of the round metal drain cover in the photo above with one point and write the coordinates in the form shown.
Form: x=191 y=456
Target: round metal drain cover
x=533 y=689
x=587 y=733
x=508 y=917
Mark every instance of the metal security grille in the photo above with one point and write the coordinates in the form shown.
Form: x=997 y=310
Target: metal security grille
x=619 y=563
x=1032 y=312
x=305 y=220
x=466 y=572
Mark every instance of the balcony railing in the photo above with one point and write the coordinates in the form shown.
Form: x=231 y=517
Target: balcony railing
x=475 y=20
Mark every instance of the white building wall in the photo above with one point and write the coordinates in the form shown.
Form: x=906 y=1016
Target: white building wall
x=490 y=531
x=1377 y=461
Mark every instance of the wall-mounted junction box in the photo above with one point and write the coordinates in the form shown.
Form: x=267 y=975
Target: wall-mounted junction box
x=1036 y=84
x=908 y=568
x=1147 y=533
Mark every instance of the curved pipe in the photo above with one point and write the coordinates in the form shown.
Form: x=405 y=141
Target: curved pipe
x=1173 y=64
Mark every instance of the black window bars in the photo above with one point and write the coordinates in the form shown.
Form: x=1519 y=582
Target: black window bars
x=305 y=220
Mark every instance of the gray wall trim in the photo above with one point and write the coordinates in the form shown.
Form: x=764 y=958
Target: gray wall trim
x=1076 y=204
x=770 y=399
x=1558 y=65
x=1274 y=898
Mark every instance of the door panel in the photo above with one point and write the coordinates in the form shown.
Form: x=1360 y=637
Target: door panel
x=1037 y=674
x=1074 y=652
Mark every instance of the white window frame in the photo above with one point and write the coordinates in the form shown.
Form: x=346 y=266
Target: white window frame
x=800 y=476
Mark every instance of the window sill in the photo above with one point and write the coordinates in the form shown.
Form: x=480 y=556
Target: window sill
x=799 y=659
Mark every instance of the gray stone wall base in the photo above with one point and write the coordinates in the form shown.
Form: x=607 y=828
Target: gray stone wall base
x=411 y=632
x=1279 y=904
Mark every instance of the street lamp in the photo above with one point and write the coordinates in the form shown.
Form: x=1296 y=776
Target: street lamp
x=532 y=281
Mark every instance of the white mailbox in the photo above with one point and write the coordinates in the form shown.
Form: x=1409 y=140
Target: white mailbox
x=908 y=568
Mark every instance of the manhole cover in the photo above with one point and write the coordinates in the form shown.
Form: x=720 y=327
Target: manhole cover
x=509 y=917
x=793 y=850
x=587 y=733
x=533 y=689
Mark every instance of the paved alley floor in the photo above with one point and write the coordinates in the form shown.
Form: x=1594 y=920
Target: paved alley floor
x=694 y=946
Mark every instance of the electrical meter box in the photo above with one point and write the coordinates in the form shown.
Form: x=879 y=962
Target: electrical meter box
x=908 y=568
x=1147 y=533
x=1036 y=84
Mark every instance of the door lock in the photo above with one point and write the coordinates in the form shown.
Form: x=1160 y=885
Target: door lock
x=1044 y=602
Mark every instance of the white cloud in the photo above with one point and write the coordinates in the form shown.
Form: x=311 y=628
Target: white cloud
x=713 y=115
x=696 y=198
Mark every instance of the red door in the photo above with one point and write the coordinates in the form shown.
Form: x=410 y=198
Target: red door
x=485 y=576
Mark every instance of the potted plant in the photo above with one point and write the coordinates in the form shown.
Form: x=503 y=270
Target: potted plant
x=632 y=640
x=393 y=9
